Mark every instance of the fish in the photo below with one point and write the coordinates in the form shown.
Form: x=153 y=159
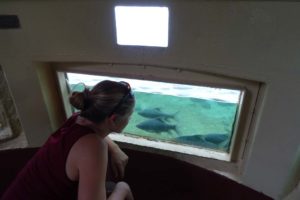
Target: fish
x=215 y=138
x=154 y=113
x=212 y=140
x=156 y=125
x=195 y=140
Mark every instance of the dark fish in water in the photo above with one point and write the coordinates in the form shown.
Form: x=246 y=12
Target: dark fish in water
x=214 y=140
x=156 y=125
x=155 y=113
x=195 y=140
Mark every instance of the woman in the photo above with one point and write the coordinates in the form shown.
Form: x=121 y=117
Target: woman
x=72 y=164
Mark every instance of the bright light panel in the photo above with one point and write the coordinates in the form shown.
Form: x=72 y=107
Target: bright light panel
x=142 y=26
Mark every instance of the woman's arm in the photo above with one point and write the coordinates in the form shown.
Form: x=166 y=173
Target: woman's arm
x=90 y=159
x=119 y=159
x=121 y=191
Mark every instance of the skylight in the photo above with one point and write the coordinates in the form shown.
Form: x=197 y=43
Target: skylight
x=142 y=26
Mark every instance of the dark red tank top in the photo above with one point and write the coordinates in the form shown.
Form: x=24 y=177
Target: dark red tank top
x=44 y=176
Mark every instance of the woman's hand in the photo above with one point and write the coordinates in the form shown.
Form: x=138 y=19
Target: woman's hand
x=118 y=158
x=119 y=161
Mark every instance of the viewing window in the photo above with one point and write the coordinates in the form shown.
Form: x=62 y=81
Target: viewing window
x=176 y=113
x=184 y=116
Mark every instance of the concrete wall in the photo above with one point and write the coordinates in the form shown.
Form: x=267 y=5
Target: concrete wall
x=248 y=39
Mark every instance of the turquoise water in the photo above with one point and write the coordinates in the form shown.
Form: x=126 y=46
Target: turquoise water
x=192 y=121
x=185 y=120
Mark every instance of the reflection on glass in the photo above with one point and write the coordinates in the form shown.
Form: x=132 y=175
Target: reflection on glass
x=177 y=113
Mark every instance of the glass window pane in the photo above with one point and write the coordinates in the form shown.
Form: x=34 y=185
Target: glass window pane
x=189 y=115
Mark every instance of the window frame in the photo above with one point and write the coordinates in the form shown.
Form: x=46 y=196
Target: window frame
x=231 y=161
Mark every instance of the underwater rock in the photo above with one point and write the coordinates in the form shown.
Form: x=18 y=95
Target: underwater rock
x=156 y=125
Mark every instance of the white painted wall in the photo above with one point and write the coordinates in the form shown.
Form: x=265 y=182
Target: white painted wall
x=248 y=39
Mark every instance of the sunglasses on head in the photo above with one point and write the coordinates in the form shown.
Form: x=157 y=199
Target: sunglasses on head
x=127 y=95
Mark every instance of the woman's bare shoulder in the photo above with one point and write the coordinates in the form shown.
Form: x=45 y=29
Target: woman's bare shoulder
x=88 y=153
x=91 y=144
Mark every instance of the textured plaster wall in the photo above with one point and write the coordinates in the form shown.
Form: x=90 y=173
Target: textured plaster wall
x=11 y=133
x=248 y=39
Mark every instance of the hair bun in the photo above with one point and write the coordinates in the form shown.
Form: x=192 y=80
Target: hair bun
x=77 y=100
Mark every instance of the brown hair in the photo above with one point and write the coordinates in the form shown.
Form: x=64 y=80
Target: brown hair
x=103 y=99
